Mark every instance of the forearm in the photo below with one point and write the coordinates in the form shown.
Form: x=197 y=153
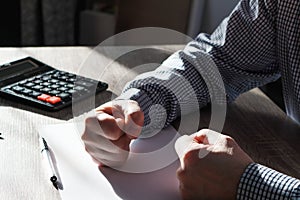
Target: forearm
x=242 y=50
x=175 y=88
x=260 y=182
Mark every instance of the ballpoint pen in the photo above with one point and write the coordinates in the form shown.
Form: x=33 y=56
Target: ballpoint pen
x=51 y=168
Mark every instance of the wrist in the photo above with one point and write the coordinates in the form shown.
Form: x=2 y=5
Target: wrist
x=260 y=182
x=141 y=98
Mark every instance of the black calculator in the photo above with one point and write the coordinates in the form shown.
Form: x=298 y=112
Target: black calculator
x=33 y=82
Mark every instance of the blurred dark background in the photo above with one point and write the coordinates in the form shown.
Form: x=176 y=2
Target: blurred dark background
x=89 y=22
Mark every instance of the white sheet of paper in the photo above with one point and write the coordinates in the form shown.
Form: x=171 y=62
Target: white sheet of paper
x=82 y=179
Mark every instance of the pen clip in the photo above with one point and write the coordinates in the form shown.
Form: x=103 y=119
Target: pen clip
x=49 y=157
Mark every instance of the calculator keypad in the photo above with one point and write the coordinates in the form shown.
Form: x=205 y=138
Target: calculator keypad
x=55 y=87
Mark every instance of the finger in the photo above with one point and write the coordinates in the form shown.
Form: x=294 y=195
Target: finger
x=104 y=156
x=108 y=162
x=133 y=124
x=181 y=174
x=134 y=119
x=181 y=145
x=128 y=116
x=111 y=156
x=186 y=144
x=213 y=137
x=122 y=143
x=110 y=126
x=91 y=139
x=201 y=136
x=186 y=193
x=107 y=108
x=194 y=152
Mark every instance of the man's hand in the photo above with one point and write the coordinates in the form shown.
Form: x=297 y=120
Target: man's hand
x=107 y=135
x=211 y=165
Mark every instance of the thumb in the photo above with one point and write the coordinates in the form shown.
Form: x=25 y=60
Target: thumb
x=181 y=145
x=185 y=144
x=134 y=120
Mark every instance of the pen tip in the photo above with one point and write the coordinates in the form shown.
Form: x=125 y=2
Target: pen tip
x=55 y=185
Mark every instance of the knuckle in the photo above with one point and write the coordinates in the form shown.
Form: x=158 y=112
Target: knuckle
x=180 y=173
x=132 y=102
x=204 y=130
x=90 y=120
x=137 y=117
x=84 y=136
x=190 y=157
x=114 y=134
x=88 y=148
x=229 y=140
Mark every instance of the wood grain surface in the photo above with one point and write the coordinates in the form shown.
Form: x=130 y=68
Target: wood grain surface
x=256 y=123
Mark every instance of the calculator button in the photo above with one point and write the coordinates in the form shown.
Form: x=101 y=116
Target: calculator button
x=46 y=84
x=38 y=81
x=46 y=78
x=62 y=83
x=54 y=86
x=23 y=82
x=31 y=79
x=71 y=91
x=63 y=78
x=71 y=75
x=54 y=92
x=46 y=90
x=53 y=100
x=84 y=83
x=79 y=88
x=62 y=88
x=54 y=80
x=29 y=84
x=70 y=85
x=55 y=71
x=35 y=94
x=26 y=91
x=55 y=75
x=72 y=79
x=62 y=72
x=64 y=95
x=38 y=76
x=50 y=72
x=43 y=97
x=17 y=89
x=37 y=87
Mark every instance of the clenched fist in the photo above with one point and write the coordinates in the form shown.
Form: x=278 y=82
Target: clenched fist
x=211 y=165
x=107 y=135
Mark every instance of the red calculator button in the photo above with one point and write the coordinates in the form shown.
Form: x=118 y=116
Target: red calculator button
x=43 y=97
x=53 y=100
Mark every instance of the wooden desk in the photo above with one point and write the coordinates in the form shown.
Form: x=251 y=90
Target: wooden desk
x=256 y=123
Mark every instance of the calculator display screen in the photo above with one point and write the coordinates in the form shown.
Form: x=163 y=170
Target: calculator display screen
x=16 y=69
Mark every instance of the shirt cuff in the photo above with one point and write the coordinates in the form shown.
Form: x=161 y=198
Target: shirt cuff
x=141 y=97
x=260 y=182
x=154 y=119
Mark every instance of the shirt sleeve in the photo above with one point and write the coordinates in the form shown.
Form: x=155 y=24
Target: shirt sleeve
x=260 y=182
x=243 y=50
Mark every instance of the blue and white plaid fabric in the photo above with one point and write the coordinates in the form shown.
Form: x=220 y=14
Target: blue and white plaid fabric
x=256 y=44
x=260 y=182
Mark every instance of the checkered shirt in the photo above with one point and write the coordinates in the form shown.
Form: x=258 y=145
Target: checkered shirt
x=256 y=44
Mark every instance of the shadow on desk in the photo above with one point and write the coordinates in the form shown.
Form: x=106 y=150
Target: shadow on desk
x=158 y=185
x=265 y=132
x=68 y=112
x=151 y=173
x=269 y=138
x=132 y=57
